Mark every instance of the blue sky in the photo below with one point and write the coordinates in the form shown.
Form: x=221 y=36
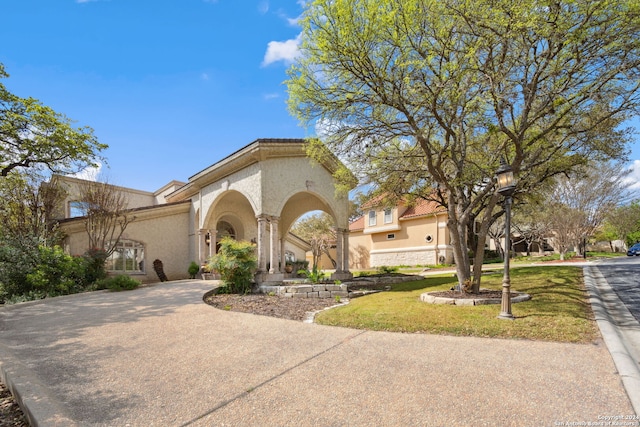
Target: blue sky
x=172 y=86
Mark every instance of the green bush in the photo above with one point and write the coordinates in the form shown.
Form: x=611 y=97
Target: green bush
x=383 y=269
x=118 y=283
x=193 y=269
x=94 y=270
x=57 y=273
x=236 y=263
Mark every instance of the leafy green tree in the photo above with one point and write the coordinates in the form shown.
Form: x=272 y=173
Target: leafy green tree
x=236 y=262
x=424 y=97
x=34 y=135
x=319 y=231
x=624 y=222
x=27 y=209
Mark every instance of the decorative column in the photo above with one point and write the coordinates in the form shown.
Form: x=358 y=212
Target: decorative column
x=202 y=245
x=262 y=243
x=345 y=250
x=274 y=268
x=213 y=238
x=339 y=250
x=283 y=260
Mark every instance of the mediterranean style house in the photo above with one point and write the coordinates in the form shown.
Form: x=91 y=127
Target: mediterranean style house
x=404 y=234
x=254 y=194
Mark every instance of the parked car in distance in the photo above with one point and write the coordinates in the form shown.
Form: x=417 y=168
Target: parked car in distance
x=634 y=250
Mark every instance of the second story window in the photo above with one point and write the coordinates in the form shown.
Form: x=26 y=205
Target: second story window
x=372 y=218
x=77 y=208
x=388 y=216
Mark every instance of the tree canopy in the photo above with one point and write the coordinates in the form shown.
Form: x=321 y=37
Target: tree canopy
x=34 y=135
x=425 y=97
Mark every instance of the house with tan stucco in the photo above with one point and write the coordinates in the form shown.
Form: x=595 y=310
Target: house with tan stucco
x=254 y=194
x=404 y=234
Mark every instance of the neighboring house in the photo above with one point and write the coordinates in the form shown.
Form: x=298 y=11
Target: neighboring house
x=255 y=194
x=405 y=234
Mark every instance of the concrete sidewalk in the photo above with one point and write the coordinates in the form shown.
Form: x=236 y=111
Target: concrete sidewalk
x=159 y=356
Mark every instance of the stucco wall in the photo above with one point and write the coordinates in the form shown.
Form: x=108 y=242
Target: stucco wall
x=421 y=240
x=73 y=186
x=359 y=251
x=164 y=233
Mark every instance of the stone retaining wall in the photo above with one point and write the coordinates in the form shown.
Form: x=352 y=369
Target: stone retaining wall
x=308 y=290
x=358 y=287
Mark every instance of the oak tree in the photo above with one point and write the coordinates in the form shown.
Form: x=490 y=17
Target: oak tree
x=33 y=135
x=424 y=97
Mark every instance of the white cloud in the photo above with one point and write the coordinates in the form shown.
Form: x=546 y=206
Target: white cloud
x=286 y=51
x=204 y=76
x=634 y=177
x=263 y=7
x=269 y=96
x=89 y=173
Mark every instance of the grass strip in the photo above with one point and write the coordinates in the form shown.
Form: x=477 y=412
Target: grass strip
x=559 y=308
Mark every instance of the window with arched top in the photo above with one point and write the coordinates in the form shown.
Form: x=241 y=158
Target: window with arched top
x=127 y=258
x=224 y=229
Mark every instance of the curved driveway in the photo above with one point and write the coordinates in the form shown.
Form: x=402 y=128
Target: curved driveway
x=159 y=356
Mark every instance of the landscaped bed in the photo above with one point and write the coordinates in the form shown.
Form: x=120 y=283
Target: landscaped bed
x=558 y=310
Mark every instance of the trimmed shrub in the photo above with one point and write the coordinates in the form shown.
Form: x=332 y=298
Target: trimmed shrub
x=193 y=269
x=236 y=262
x=118 y=283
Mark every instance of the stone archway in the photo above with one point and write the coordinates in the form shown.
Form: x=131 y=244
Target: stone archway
x=265 y=186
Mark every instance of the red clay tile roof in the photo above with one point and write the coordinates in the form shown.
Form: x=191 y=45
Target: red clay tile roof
x=422 y=207
x=357 y=225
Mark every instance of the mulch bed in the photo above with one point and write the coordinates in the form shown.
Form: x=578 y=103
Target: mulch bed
x=266 y=305
x=10 y=413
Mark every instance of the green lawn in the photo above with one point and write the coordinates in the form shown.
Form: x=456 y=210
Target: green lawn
x=558 y=311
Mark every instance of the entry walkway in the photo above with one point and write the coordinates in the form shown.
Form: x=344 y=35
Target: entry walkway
x=159 y=356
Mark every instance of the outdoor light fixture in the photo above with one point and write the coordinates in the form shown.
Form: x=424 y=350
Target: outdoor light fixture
x=504 y=175
x=506 y=187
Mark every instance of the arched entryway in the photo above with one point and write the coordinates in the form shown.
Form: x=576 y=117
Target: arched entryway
x=260 y=191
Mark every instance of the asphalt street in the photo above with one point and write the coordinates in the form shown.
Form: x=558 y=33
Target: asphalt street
x=623 y=275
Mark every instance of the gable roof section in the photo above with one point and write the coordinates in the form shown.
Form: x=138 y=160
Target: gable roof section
x=357 y=224
x=422 y=208
x=257 y=151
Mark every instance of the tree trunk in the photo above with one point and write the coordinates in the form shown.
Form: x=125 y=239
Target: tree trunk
x=459 y=244
x=482 y=238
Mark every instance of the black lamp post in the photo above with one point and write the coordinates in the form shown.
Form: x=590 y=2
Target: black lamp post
x=506 y=187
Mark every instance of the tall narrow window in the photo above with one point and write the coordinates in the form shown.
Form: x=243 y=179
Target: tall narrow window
x=372 y=217
x=388 y=216
x=128 y=257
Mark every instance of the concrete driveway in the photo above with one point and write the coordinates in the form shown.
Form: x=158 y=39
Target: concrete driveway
x=159 y=356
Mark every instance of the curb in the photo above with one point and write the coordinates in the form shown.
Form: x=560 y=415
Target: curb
x=35 y=400
x=609 y=312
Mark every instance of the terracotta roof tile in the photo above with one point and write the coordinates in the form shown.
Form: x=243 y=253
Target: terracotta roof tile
x=422 y=207
x=357 y=225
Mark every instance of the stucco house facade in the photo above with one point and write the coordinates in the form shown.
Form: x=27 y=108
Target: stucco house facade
x=254 y=194
x=404 y=234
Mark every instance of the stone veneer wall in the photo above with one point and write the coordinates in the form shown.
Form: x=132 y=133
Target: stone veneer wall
x=308 y=290
x=403 y=257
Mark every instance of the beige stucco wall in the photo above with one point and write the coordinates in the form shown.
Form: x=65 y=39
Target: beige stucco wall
x=164 y=233
x=410 y=245
x=73 y=186
x=359 y=250
x=400 y=242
